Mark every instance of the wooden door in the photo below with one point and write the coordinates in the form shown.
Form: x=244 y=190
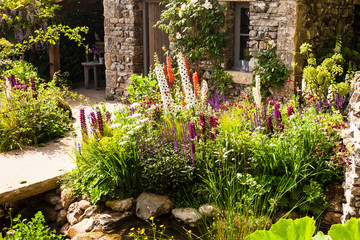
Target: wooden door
x=156 y=38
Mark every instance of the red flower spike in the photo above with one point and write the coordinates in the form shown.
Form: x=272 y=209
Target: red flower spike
x=196 y=83
x=170 y=72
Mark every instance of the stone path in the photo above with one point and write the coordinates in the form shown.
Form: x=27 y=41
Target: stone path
x=33 y=170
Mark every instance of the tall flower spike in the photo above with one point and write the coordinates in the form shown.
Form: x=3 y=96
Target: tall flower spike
x=100 y=122
x=33 y=87
x=169 y=70
x=190 y=96
x=203 y=98
x=187 y=66
x=83 y=123
x=164 y=89
x=196 y=83
x=256 y=91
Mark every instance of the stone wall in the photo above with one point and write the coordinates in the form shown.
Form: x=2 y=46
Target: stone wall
x=351 y=137
x=319 y=21
x=123 y=43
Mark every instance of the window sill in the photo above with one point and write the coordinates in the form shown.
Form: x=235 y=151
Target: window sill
x=239 y=77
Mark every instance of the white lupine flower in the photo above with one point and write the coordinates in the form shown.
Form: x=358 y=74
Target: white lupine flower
x=207 y=5
x=164 y=89
x=188 y=88
x=183 y=7
x=257 y=91
x=203 y=97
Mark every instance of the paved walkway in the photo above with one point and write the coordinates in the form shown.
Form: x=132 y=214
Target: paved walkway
x=33 y=170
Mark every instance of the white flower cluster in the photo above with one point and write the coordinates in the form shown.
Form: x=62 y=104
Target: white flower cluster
x=164 y=89
x=207 y=5
x=256 y=91
x=188 y=88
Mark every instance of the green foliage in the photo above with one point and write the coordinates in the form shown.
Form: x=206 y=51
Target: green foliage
x=270 y=70
x=188 y=21
x=304 y=229
x=29 y=120
x=142 y=87
x=35 y=229
x=20 y=69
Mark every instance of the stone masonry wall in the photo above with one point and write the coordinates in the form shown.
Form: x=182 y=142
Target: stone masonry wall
x=123 y=43
x=351 y=137
x=319 y=21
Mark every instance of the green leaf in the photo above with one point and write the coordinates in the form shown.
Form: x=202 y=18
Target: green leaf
x=287 y=229
x=350 y=230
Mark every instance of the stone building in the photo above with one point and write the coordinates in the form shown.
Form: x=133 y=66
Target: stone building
x=129 y=36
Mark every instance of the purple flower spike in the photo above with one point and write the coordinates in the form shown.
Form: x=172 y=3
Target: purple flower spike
x=175 y=137
x=92 y=119
x=202 y=123
x=79 y=147
x=192 y=136
x=83 y=123
x=12 y=80
x=184 y=139
x=108 y=117
x=100 y=122
x=290 y=111
x=269 y=124
x=33 y=87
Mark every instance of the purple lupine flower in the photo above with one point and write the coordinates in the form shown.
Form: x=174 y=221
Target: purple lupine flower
x=12 y=80
x=217 y=100
x=268 y=101
x=83 y=123
x=269 y=124
x=277 y=115
x=175 y=137
x=290 y=111
x=79 y=147
x=100 y=123
x=92 y=119
x=192 y=136
x=33 y=87
x=184 y=139
x=212 y=126
x=316 y=121
x=108 y=117
x=202 y=123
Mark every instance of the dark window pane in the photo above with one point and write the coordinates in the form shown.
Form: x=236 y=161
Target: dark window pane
x=243 y=46
x=245 y=21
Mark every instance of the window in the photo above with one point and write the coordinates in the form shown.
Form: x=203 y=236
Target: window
x=241 y=37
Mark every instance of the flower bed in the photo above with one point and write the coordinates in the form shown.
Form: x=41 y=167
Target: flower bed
x=252 y=159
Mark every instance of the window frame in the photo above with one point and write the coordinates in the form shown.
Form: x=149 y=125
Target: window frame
x=237 y=65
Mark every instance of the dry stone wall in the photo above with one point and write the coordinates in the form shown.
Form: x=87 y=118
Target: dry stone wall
x=123 y=43
x=351 y=138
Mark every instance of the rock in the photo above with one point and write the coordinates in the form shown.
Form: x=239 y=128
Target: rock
x=66 y=198
x=186 y=215
x=61 y=218
x=84 y=204
x=331 y=218
x=15 y=206
x=82 y=227
x=52 y=198
x=105 y=220
x=50 y=214
x=58 y=206
x=89 y=236
x=64 y=229
x=90 y=212
x=74 y=213
x=207 y=210
x=120 y=205
x=152 y=205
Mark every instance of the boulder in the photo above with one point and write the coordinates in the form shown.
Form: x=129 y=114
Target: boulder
x=64 y=229
x=74 y=213
x=52 y=198
x=120 y=205
x=106 y=220
x=84 y=204
x=89 y=212
x=82 y=227
x=89 y=236
x=58 y=206
x=66 y=198
x=186 y=215
x=207 y=210
x=331 y=218
x=61 y=217
x=152 y=205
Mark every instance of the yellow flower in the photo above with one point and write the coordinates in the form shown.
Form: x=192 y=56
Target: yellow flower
x=161 y=226
x=151 y=218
